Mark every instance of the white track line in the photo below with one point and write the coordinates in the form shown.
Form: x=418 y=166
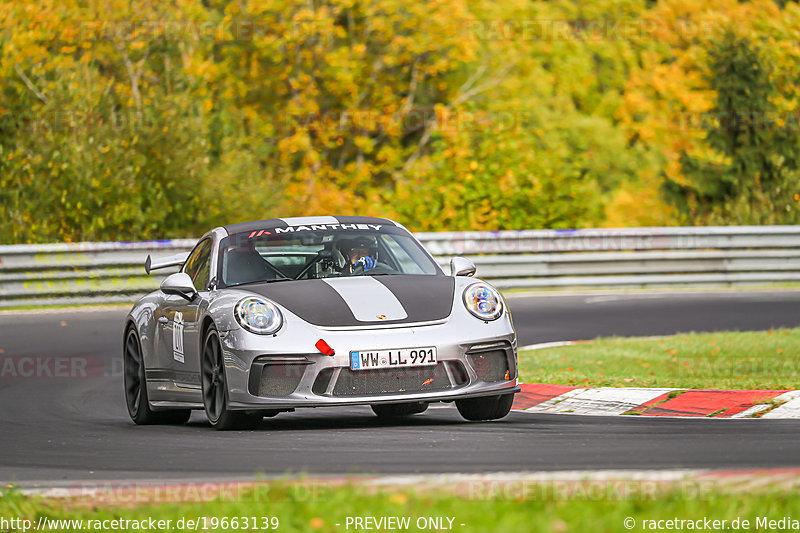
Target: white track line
x=548 y=404
x=791 y=409
x=543 y=345
x=785 y=397
x=195 y=488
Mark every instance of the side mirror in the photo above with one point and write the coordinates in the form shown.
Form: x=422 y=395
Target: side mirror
x=461 y=266
x=179 y=284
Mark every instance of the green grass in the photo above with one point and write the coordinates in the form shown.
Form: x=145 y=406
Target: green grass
x=523 y=507
x=54 y=307
x=729 y=360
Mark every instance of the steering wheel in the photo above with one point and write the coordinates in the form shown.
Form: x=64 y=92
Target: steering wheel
x=379 y=268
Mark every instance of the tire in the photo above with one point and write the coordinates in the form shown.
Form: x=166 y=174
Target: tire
x=215 y=389
x=135 y=380
x=397 y=410
x=486 y=407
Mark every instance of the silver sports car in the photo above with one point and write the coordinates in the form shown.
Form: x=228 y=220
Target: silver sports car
x=268 y=316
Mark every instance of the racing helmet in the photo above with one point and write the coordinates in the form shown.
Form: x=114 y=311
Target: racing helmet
x=362 y=241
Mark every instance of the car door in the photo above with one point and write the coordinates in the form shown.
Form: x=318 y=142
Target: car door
x=179 y=338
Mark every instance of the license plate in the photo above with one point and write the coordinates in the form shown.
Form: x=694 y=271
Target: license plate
x=405 y=357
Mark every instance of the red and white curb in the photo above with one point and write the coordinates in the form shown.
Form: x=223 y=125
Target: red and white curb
x=605 y=401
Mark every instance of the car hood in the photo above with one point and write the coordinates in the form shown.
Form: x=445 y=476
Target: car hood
x=364 y=300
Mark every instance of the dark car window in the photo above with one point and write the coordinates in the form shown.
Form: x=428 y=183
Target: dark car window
x=198 y=265
x=320 y=251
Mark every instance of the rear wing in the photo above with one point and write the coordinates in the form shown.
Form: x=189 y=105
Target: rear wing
x=165 y=262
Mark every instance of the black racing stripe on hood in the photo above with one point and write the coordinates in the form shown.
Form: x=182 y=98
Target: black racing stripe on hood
x=425 y=298
x=313 y=300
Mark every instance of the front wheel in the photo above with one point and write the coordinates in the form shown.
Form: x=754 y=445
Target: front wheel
x=215 y=389
x=486 y=407
x=135 y=380
x=396 y=410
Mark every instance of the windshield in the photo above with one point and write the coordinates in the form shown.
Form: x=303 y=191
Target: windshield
x=304 y=252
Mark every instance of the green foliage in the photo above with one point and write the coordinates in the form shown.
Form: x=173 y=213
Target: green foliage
x=98 y=140
x=516 y=504
x=122 y=120
x=752 y=172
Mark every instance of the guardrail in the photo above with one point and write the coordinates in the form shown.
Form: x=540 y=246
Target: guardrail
x=536 y=259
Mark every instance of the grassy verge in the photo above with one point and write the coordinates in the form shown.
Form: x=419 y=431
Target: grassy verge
x=57 y=307
x=596 y=506
x=730 y=360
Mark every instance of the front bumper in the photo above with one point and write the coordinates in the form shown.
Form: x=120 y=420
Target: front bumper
x=262 y=374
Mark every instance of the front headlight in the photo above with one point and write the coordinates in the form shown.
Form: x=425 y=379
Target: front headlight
x=258 y=315
x=483 y=301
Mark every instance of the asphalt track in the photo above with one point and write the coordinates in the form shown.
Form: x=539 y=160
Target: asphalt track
x=60 y=430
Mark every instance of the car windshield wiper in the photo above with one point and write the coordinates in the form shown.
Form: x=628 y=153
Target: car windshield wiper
x=275 y=280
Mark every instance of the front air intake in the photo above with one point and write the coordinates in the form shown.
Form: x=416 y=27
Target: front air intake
x=276 y=376
x=492 y=363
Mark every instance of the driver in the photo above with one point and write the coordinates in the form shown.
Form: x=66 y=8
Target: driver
x=360 y=254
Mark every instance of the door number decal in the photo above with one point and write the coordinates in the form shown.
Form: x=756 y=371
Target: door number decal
x=177 y=337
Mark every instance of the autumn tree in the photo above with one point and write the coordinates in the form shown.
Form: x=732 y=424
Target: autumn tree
x=123 y=120
x=752 y=175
